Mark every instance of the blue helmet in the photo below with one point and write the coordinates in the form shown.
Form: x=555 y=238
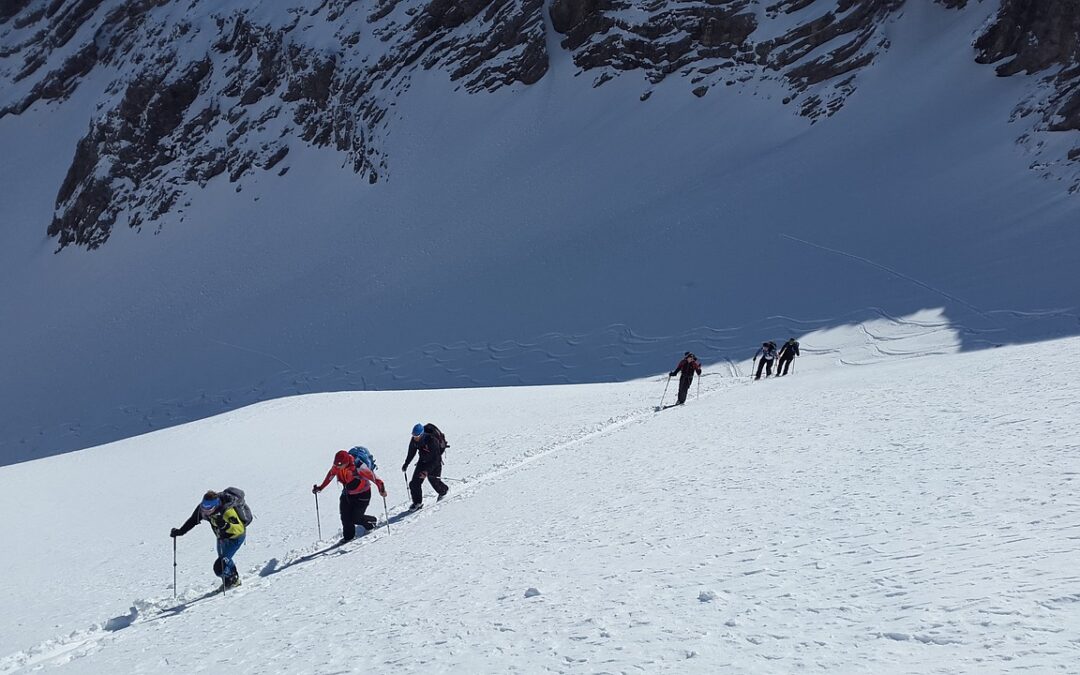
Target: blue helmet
x=418 y=430
x=210 y=504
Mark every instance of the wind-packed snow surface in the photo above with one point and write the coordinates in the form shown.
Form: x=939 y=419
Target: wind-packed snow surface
x=905 y=515
x=556 y=233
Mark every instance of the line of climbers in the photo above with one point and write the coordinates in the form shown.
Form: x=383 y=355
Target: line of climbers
x=690 y=365
x=229 y=515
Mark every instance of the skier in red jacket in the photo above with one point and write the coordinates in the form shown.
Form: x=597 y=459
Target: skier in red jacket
x=355 y=494
x=688 y=366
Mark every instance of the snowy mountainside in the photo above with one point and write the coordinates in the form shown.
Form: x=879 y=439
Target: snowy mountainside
x=226 y=90
x=905 y=516
x=564 y=192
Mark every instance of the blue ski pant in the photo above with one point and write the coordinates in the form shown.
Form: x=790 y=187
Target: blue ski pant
x=226 y=549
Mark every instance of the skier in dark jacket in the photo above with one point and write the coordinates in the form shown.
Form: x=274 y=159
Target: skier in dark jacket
x=228 y=528
x=356 y=480
x=767 y=354
x=787 y=354
x=687 y=367
x=428 y=443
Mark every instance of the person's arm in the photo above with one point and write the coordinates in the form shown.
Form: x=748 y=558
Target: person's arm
x=412 y=453
x=188 y=524
x=369 y=475
x=797 y=349
x=326 y=481
x=677 y=368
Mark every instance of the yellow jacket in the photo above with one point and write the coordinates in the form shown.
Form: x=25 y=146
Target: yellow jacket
x=227 y=524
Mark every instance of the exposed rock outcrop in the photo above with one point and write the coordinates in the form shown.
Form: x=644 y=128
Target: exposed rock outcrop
x=201 y=91
x=223 y=94
x=1037 y=36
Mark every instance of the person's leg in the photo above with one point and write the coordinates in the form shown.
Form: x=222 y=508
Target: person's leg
x=684 y=386
x=435 y=479
x=416 y=485
x=359 y=507
x=348 y=526
x=768 y=368
x=227 y=548
x=760 y=367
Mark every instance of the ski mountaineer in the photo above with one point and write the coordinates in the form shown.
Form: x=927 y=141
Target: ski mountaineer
x=688 y=366
x=228 y=528
x=767 y=354
x=787 y=354
x=429 y=443
x=356 y=480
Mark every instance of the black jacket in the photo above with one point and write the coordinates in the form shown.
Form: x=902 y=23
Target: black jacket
x=428 y=449
x=790 y=350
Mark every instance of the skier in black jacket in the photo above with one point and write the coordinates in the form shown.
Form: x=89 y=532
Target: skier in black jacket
x=687 y=367
x=787 y=354
x=767 y=354
x=429 y=443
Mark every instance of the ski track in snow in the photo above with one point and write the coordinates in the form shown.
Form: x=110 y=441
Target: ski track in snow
x=919 y=516
x=85 y=642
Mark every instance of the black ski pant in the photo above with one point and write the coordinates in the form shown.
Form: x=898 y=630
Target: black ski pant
x=782 y=365
x=684 y=386
x=432 y=473
x=352 y=508
x=765 y=364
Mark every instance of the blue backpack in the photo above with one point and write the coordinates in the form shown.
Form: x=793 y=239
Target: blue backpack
x=363 y=456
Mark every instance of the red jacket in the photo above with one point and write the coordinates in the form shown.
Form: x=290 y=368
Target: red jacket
x=355 y=480
x=687 y=367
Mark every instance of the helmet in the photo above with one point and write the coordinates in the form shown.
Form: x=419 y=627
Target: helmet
x=210 y=503
x=343 y=458
x=418 y=430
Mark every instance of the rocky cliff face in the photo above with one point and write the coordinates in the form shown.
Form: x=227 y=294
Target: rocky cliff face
x=1040 y=36
x=193 y=91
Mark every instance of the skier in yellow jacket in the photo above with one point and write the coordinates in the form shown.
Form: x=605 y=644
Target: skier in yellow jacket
x=229 y=529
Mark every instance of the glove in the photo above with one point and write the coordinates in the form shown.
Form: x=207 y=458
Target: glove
x=404 y=468
x=174 y=532
x=671 y=374
x=315 y=489
x=382 y=491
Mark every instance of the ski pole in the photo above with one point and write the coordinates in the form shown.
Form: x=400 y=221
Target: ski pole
x=698 y=387
x=405 y=477
x=386 y=512
x=666 y=384
x=174 y=568
x=318 y=518
x=753 y=365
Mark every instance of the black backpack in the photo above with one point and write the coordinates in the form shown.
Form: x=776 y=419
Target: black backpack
x=439 y=436
x=233 y=497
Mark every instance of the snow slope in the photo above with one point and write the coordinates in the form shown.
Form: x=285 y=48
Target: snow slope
x=908 y=515
x=556 y=233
